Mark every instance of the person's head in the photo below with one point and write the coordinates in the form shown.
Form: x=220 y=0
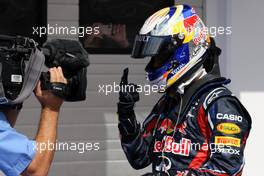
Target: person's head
x=175 y=38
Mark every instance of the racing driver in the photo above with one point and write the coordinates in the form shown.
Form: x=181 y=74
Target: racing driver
x=198 y=127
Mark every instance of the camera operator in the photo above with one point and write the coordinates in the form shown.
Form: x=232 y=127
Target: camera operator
x=19 y=155
x=21 y=63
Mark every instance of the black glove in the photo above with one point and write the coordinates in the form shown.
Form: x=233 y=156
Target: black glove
x=128 y=96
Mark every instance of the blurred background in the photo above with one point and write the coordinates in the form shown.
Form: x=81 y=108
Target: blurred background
x=95 y=120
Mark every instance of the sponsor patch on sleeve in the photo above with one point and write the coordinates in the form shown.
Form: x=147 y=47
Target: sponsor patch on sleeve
x=228 y=141
x=228 y=128
x=231 y=117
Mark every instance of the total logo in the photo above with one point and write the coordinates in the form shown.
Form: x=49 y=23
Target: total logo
x=232 y=117
x=177 y=69
x=182 y=148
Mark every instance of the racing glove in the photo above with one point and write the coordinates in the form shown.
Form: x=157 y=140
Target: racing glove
x=128 y=96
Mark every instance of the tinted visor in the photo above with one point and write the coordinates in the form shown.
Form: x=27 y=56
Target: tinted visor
x=148 y=46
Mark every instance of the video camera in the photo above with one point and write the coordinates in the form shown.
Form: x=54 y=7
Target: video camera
x=20 y=62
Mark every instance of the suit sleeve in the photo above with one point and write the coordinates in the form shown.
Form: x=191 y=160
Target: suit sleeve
x=139 y=147
x=230 y=124
x=139 y=150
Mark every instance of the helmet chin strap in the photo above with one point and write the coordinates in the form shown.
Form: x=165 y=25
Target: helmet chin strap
x=197 y=75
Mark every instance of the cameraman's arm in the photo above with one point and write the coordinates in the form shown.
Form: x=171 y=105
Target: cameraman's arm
x=47 y=132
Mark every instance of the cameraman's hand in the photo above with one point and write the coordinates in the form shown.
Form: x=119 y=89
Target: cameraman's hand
x=46 y=98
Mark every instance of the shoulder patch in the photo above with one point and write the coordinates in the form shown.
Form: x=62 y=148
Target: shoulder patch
x=228 y=128
x=214 y=95
x=227 y=141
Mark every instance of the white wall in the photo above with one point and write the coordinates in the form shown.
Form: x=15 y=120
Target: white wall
x=246 y=70
x=215 y=16
x=243 y=63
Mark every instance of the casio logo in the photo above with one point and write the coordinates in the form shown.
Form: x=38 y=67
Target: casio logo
x=231 y=117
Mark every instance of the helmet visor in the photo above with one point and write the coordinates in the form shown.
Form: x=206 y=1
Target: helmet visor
x=148 y=46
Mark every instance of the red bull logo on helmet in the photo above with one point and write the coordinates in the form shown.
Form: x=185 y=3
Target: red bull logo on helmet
x=189 y=23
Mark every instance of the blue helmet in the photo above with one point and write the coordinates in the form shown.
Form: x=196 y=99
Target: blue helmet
x=175 y=38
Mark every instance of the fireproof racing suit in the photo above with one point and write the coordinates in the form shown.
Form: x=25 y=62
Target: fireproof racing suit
x=206 y=138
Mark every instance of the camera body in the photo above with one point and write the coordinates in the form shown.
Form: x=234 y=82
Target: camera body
x=68 y=54
x=74 y=60
x=12 y=58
